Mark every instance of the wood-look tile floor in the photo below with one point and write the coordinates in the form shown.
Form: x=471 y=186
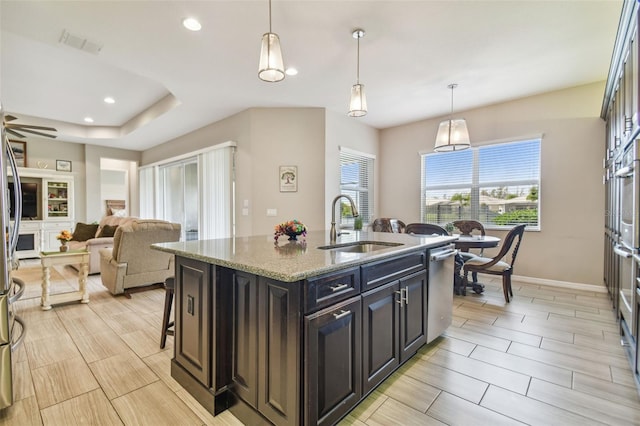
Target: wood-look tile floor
x=551 y=356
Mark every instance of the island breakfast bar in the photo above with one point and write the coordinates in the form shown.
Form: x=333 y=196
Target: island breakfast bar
x=299 y=332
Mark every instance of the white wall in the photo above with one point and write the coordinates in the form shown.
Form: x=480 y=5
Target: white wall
x=349 y=132
x=570 y=245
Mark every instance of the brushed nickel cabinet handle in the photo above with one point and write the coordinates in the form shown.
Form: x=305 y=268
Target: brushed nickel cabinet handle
x=339 y=287
x=342 y=314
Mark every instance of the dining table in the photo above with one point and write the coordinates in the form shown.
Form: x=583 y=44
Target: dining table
x=466 y=242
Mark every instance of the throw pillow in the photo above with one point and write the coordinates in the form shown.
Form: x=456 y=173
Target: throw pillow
x=108 y=231
x=84 y=231
x=119 y=212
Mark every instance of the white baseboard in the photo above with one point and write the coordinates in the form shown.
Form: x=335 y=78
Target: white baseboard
x=562 y=284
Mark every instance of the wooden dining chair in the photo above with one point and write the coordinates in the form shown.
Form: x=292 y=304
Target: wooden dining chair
x=496 y=265
x=425 y=229
x=466 y=227
x=386 y=224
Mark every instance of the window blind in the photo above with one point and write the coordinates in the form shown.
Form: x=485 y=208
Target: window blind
x=497 y=185
x=356 y=180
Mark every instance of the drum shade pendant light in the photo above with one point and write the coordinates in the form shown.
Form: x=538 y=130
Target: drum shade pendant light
x=358 y=104
x=271 y=67
x=453 y=134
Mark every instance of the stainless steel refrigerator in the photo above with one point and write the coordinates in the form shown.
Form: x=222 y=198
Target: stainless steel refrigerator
x=12 y=328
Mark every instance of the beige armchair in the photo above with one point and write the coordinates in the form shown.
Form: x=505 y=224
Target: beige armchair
x=132 y=264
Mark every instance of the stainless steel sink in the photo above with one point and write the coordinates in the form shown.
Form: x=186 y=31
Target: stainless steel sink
x=360 y=246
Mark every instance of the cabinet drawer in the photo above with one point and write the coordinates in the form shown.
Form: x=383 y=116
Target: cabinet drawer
x=384 y=271
x=328 y=289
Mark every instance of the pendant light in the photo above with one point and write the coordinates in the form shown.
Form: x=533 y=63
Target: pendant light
x=452 y=133
x=271 y=67
x=358 y=104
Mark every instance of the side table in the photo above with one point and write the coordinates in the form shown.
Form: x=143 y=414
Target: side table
x=50 y=258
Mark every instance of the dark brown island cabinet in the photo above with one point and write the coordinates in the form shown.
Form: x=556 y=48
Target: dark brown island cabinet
x=304 y=352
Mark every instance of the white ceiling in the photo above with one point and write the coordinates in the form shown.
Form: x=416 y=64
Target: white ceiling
x=168 y=81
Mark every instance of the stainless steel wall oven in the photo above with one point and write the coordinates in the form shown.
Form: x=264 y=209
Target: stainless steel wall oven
x=628 y=248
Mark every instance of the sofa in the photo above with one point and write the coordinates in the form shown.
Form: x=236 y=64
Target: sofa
x=84 y=238
x=132 y=264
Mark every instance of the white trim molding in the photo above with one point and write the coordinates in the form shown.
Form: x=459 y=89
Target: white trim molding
x=561 y=284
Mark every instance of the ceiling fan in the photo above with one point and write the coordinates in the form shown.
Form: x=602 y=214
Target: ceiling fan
x=15 y=129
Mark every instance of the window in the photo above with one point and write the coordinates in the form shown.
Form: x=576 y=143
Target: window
x=497 y=185
x=356 y=181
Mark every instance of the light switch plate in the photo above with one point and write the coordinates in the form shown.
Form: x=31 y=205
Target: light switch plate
x=272 y=212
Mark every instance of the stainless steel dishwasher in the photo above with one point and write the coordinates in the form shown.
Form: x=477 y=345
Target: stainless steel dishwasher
x=440 y=284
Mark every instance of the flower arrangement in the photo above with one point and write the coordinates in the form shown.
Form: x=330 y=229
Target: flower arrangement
x=64 y=236
x=292 y=228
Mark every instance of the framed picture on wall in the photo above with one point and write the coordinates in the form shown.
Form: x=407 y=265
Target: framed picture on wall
x=288 y=178
x=19 y=151
x=63 y=165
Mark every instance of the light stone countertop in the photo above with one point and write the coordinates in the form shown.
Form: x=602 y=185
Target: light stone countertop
x=291 y=261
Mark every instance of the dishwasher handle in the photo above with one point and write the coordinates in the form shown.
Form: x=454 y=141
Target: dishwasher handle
x=443 y=255
x=617 y=249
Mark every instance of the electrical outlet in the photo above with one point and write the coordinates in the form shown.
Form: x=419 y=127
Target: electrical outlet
x=272 y=212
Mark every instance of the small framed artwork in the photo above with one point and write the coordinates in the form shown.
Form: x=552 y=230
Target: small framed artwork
x=19 y=152
x=288 y=178
x=63 y=165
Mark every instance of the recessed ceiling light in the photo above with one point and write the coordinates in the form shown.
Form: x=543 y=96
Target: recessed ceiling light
x=191 y=24
x=109 y=100
x=291 y=71
x=88 y=120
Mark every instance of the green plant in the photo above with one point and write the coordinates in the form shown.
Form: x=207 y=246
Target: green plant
x=357 y=223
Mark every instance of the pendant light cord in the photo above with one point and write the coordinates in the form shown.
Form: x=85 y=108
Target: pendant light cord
x=358 y=62
x=269 y=16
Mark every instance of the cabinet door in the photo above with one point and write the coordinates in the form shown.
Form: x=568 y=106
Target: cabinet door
x=50 y=230
x=193 y=318
x=413 y=314
x=333 y=383
x=59 y=199
x=279 y=349
x=245 y=337
x=380 y=334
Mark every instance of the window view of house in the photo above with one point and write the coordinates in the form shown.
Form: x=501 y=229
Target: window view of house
x=497 y=185
x=356 y=181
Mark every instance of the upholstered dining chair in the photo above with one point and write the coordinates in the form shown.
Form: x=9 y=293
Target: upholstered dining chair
x=386 y=224
x=496 y=265
x=431 y=229
x=466 y=227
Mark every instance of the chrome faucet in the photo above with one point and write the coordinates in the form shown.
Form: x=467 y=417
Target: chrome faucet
x=354 y=211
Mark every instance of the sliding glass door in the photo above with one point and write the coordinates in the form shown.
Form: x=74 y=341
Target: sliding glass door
x=178 y=195
x=196 y=190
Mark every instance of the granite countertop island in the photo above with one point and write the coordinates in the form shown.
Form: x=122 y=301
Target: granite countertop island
x=289 y=333
x=290 y=261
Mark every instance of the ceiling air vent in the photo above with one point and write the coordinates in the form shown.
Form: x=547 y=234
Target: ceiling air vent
x=80 y=42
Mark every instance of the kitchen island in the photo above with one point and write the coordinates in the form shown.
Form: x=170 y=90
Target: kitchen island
x=299 y=332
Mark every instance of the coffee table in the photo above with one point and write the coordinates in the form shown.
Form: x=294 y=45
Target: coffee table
x=50 y=258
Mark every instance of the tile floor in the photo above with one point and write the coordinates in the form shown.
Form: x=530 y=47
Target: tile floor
x=552 y=356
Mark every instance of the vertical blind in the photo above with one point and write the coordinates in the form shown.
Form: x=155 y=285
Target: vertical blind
x=356 y=180
x=215 y=190
x=497 y=185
